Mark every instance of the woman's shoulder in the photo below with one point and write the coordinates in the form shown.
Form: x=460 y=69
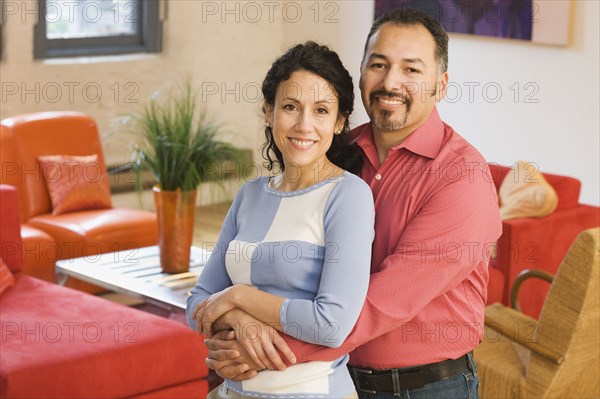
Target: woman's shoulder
x=351 y=182
x=251 y=187
x=254 y=183
x=352 y=199
x=351 y=189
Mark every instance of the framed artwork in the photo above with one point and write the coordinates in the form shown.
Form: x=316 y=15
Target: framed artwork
x=537 y=21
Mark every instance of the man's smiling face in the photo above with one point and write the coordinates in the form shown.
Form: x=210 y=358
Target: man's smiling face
x=400 y=78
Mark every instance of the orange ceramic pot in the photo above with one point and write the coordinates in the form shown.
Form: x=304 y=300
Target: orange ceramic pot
x=175 y=211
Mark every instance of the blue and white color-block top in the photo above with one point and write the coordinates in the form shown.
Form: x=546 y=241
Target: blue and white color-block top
x=312 y=246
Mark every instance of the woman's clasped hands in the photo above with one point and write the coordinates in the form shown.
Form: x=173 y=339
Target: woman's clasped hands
x=262 y=343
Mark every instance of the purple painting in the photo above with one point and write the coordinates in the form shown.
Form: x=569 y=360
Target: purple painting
x=537 y=21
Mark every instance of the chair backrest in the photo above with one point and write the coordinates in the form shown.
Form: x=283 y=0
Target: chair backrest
x=25 y=137
x=569 y=324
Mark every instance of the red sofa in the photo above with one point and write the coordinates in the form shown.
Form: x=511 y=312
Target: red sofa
x=537 y=243
x=56 y=342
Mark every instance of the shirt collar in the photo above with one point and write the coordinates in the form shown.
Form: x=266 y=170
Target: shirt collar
x=425 y=140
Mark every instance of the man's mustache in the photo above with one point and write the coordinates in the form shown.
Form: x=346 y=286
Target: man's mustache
x=391 y=94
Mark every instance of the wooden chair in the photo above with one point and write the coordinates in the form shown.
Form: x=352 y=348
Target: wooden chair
x=557 y=356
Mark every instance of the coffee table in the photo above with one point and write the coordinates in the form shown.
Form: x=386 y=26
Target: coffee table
x=136 y=272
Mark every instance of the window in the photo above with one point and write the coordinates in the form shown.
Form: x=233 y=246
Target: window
x=94 y=27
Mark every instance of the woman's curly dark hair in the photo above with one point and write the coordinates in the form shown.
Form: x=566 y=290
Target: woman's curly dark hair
x=325 y=63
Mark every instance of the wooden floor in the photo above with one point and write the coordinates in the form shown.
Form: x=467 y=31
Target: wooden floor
x=208 y=220
x=208 y=223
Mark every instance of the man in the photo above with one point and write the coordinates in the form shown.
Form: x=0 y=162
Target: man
x=436 y=217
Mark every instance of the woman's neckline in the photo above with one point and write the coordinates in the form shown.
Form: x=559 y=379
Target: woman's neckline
x=268 y=184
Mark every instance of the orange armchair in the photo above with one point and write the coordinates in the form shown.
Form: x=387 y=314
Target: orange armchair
x=48 y=237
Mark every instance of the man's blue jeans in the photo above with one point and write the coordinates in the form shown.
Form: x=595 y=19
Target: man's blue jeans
x=461 y=386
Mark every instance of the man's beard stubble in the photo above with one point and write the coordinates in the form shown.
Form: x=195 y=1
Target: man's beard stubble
x=382 y=121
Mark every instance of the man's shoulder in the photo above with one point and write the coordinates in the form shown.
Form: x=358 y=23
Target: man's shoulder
x=458 y=150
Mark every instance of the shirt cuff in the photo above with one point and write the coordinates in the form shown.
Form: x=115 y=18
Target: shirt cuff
x=283 y=313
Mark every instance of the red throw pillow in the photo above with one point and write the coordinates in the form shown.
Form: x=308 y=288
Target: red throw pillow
x=7 y=280
x=75 y=183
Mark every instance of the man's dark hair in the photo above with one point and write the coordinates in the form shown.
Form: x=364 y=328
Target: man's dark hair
x=325 y=63
x=407 y=17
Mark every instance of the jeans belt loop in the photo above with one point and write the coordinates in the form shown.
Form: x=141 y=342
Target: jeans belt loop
x=471 y=362
x=355 y=371
x=396 y=382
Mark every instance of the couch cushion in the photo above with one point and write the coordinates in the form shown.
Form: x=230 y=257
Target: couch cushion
x=526 y=193
x=58 y=342
x=98 y=231
x=40 y=253
x=75 y=183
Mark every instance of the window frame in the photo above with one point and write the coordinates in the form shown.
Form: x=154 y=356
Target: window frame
x=148 y=38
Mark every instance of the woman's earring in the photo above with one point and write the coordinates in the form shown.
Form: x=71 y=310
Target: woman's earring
x=267 y=124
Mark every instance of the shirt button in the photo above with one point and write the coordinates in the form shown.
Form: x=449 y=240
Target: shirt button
x=378 y=176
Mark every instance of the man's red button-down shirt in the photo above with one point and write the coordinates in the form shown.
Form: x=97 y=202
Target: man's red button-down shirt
x=436 y=217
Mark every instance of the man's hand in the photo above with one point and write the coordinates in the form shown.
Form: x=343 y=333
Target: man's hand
x=261 y=342
x=228 y=359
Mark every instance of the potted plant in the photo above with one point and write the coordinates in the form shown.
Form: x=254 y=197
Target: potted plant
x=180 y=146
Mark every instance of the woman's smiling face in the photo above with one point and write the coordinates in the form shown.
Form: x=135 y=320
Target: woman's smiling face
x=304 y=118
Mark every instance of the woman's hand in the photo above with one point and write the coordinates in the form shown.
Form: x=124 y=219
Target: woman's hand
x=215 y=306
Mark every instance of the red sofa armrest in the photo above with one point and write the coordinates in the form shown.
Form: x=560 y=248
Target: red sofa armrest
x=10 y=226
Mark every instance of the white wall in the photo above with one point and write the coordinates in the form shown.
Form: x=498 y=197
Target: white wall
x=341 y=25
x=226 y=53
x=560 y=132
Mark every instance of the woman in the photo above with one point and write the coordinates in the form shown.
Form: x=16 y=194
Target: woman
x=294 y=251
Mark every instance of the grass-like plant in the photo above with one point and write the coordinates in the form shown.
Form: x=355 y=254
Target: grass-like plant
x=178 y=143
